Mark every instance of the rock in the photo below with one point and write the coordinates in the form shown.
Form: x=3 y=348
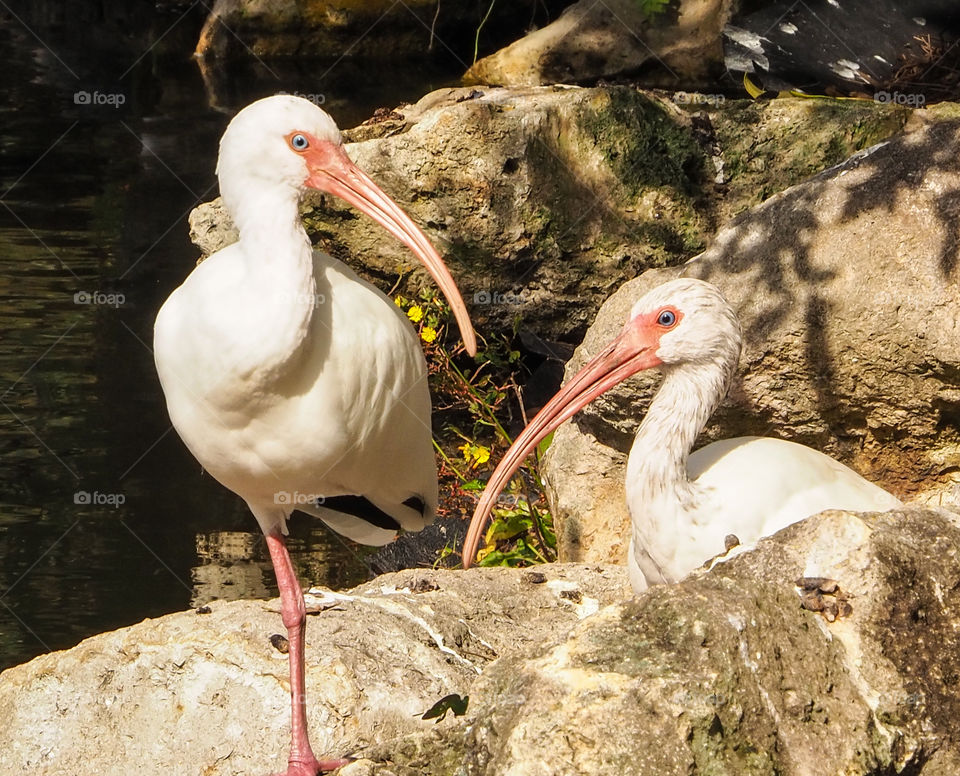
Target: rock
x=538 y=220
x=373 y=30
x=677 y=46
x=544 y=199
x=726 y=673
x=847 y=287
x=211 y=228
x=193 y=693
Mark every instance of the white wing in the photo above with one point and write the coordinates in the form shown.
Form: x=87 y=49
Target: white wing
x=347 y=412
x=750 y=487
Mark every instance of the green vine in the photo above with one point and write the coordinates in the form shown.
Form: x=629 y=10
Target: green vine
x=476 y=39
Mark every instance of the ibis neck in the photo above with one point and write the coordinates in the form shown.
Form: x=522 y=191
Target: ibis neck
x=266 y=214
x=657 y=466
x=280 y=296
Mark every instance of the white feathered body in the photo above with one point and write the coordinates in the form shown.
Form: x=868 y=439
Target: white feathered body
x=315 y=387
x=750 y=487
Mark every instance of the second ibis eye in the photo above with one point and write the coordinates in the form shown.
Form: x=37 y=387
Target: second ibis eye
x=667 y=318
x=299 y=142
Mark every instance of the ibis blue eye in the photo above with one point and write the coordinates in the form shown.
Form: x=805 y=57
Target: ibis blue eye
x=667 y=318
x=299 y=142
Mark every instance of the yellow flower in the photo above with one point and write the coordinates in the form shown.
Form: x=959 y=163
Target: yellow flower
x=398 y=301
x=415 y=314
x=428 y=334
x=475 y=454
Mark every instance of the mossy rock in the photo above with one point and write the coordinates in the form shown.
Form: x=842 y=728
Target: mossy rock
x=557 y=195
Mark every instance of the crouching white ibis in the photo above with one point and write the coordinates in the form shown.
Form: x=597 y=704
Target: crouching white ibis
x=295 y=383
x=683 y=505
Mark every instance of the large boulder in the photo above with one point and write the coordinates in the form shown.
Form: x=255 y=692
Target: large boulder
x=726 y=673
x=744 y=670
x=674 y=44
x=847 y=287
x=543 y=200
x=371 y=31
x=191 y=693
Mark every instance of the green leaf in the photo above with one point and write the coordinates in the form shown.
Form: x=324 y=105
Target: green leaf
x=508 y=526
x=752 y=89
x=497 y=558
x=544 y=444
x=452 y=702
x=651 y=8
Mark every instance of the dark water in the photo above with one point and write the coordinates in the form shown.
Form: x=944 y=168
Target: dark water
x=108 y=136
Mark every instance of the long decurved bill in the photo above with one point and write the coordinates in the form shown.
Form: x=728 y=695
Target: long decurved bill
x=332 y=171
x=628 y=354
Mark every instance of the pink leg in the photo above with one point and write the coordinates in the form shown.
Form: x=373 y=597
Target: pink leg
x=302 y=761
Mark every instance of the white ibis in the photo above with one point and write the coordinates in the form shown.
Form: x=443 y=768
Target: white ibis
x=683 y=505
x=295 y=383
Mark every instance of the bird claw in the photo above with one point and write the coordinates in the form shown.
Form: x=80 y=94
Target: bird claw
x=326 y=766
x=316 y=767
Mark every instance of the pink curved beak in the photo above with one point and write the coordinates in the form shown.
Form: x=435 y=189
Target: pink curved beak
x=332 y=171
x=631 y=352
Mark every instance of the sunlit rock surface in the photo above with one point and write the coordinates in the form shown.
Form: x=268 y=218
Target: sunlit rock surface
x=544 y=200
x=671 y=43
x=847 y=287
x=726 y=673
x=748 y=668
x=208 y=694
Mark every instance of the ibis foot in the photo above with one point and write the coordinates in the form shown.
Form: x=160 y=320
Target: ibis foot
x=331 y=765
x=819 y=594
x=314 y=768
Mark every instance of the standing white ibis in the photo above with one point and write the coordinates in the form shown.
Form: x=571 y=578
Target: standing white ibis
x=295 y=383
x=683 y=505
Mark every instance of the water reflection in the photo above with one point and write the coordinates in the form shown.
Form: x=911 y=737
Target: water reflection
x=105 y=518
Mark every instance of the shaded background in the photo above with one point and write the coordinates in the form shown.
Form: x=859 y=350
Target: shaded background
x=94 y=201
